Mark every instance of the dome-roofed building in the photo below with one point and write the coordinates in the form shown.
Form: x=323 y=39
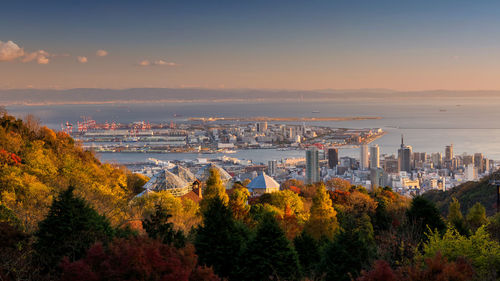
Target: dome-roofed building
x=263 y=184
x=183 y=173
x=204 y=173
x=167 y=181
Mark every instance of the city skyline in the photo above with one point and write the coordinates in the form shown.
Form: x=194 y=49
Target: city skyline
x=396 y=45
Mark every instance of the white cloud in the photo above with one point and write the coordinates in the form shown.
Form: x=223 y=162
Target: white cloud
x=157 y=63
x=41 y=57
x=82 y=59
x=164 y=63
x=144 y=63
x=10 y=51
x=101 y=53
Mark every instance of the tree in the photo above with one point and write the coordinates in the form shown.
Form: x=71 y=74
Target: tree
x=476 y=216
x=456 y=218
x=425 y=213
x=350 y=252
x=238 y=203
x=220 y=240
x=482 y=251
x=338 y=184
x=323 y=220
x=436 y=268
x=308 y=250
x=70 y=228
x=158 y=227
x=270 y=254
x=138 y=258
x=214 y=189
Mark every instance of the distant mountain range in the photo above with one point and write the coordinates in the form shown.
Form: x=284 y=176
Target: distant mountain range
x=147 y=95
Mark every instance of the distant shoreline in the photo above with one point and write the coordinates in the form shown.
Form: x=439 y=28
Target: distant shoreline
x=282 y=119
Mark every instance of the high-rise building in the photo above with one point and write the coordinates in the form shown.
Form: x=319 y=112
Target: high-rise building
x=478 y=162
x=271 y=167
x=391 y=164
x=437 y=160
x=448 y=155
x=312 y=165
x=404 y=157
x=363 y=163
x=377 y=178
x=262 y=127
x=333 y=158
x=374 y=156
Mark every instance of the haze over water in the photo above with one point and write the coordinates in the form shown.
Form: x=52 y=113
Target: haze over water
x=472 y=125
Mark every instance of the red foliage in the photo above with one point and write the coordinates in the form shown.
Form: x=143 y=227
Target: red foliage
x=339 y=196
x=138 y=258
x=9 y=158
x=294 y=189
x=381 y=272
x=437 y=268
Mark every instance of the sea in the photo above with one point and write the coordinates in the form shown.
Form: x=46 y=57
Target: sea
x=428 y=125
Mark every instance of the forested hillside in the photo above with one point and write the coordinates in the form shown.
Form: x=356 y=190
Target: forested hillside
x=467 y=194
x=66 y=216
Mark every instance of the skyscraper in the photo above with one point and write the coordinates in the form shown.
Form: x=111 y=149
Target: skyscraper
x=312 y=165
x=333 y=158
x=363 y=162
x=262 y=127
x=404 y=157
x=374 y=156
x=271 y=167
x=448 y=155
x=478 y=162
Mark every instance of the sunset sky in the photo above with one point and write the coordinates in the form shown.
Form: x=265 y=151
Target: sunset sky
x=402 y=45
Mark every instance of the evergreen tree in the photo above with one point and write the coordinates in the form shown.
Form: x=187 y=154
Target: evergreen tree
x=476 y=216
x=456 y=218
x=351 y=251
x=238 y=203
x=158 y=227
x=270 y=254
x=322 y=223
x=214 y=189
x=308 y=250
x=220 y=240
x=69 y=229
x=424 y=213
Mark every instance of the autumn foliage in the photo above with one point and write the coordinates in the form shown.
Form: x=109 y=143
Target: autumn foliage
x=137 y=258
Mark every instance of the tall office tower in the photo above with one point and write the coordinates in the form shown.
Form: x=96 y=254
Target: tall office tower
x=486 y=165
x=377 y=178
x=437 y=160
x=312 y=165
x=333 y=158
x=391 y=165
x=404 y=157
x=374 y=156
x=448 y=155
x=363 y=162
x=419 y=159
x=262 y=127
x=467 y=160
x=271 y=167
x=478 y=162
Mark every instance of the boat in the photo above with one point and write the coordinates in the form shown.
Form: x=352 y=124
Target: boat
x=315 y=111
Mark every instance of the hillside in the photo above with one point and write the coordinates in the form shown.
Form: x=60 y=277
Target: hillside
x=467 y=194
x=37 y=163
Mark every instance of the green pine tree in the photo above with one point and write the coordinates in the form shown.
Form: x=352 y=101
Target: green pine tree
x=158 y=227
x=270 y=254
x=69 y=229
x=220 y=240
x=455 y=217
x=425 y=214
x=308 y=250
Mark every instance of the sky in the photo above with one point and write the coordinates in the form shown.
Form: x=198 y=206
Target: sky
x=270 y=44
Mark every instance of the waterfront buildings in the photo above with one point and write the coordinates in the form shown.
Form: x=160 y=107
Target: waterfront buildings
x=312 y=165
x=333 y=158
x=374 y=157
x=404 y=157
x=364 y=160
